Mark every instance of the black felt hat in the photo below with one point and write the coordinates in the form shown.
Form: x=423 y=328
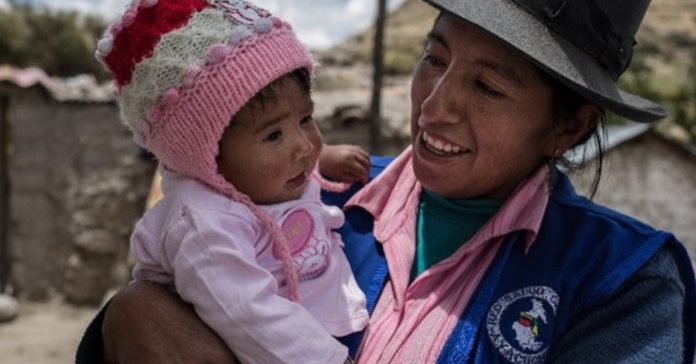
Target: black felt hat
x=585 y=44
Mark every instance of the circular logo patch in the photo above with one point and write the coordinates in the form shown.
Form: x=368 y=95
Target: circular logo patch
x=298 y=228
x=519 y=323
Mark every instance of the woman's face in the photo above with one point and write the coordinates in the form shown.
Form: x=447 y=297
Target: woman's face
x=481 y=115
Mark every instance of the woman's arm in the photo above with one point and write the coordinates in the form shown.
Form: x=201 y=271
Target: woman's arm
x=146 y=323
x=641 y=323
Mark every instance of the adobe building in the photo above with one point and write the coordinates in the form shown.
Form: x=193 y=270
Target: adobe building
x=649 y=177
x=72 y=184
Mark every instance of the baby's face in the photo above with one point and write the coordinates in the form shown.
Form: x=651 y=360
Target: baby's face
x=271 y=148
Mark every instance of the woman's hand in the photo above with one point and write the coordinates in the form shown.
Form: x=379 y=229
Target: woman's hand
x=146 y=323
x=344 y=163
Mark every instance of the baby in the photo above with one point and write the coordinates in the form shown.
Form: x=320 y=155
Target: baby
x=219 y=92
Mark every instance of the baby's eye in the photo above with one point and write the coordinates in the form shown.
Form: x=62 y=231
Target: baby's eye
x=306 y=120
x=274 y=136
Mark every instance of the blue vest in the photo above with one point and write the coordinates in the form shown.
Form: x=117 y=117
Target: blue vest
x=525 y=302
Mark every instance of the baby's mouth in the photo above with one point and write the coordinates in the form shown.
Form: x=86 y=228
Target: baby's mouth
x=298 y=181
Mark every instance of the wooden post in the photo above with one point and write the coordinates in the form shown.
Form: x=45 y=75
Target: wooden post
x=4 y=197
x=378 y=71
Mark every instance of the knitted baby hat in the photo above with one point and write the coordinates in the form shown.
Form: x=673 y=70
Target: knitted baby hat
x=184 y=68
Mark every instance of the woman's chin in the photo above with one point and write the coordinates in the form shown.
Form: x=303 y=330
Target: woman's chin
x=432 y=178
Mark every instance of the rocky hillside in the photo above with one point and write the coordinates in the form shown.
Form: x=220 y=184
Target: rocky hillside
x=667 y=40
x=669 y=30
x=663 y=68
x=406 y=28
x=672 y=17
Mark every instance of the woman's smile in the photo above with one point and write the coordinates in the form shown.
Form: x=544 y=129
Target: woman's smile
x=441 y=146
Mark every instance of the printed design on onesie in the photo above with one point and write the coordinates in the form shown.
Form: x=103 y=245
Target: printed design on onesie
x=310 y=254
x=241 y=12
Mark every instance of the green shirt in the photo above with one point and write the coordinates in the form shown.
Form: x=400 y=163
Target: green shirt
x=444 y=225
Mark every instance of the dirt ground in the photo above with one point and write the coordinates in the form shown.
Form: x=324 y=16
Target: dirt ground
x=43 y=333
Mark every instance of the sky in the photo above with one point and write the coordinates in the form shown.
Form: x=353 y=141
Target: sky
x=318 y=23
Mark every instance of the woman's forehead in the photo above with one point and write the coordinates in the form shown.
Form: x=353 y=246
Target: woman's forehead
x=462 y=38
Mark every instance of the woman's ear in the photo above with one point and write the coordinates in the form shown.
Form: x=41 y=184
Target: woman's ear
x=576 y=126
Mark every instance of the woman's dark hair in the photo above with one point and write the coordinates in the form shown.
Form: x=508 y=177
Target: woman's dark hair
x=566 y=103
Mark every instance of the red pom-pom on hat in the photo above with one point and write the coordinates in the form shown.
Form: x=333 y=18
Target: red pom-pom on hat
x=138 y=40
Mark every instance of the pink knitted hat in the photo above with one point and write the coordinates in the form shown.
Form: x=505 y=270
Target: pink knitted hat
x=184 y=68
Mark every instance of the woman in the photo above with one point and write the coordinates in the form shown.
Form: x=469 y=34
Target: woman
x=471 y=246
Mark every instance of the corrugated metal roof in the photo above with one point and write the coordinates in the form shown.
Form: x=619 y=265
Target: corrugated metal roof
x=612 y=137
x=82 y=88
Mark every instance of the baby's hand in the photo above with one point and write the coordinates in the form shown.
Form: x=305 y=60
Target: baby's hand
x=344 y=163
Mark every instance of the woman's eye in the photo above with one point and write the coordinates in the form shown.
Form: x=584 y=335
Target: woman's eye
x=273 y=136
x=306 y=120
x=489 y=90
x=432 y=60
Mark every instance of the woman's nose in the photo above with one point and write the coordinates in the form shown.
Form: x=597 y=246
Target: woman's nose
x=444 y=102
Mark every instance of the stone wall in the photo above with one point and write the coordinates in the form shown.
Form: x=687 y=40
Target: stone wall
x=77 y=185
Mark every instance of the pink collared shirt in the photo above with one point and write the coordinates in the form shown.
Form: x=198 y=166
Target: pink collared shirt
x=411 y=323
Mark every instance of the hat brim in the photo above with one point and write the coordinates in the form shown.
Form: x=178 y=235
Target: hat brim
x=553 y=54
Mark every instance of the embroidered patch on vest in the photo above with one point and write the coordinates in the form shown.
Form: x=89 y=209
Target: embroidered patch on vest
x=519 y=323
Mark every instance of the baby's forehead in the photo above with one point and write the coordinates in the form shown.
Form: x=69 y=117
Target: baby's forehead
x=281 y=96
x=270 y=96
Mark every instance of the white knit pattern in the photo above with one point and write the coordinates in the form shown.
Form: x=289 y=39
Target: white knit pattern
x=165 y=69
